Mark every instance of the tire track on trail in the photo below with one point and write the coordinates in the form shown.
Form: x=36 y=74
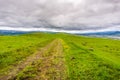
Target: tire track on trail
x=51 y=66
x=54 y=68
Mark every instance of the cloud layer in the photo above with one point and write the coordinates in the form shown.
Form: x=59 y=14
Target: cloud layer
x=63 y=15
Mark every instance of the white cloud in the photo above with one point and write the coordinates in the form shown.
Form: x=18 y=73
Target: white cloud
x=80 y=14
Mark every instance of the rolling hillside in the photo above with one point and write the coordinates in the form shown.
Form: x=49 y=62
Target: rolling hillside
x=58 y=56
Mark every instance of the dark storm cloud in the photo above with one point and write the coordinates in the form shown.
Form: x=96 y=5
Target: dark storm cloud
x=60 y=14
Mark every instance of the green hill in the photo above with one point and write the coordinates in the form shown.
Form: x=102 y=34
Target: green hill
x=45 y=56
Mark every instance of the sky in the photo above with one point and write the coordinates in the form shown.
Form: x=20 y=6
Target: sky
x=72 y=16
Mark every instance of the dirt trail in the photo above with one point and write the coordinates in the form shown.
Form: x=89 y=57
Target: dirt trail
x=54 y=67
x=52 y=63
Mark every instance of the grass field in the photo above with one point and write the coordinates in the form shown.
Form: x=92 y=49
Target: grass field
x=45 y=56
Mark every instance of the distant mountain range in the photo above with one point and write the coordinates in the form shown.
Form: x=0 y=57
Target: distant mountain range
x=106 y=33
x=97 y=34
x=11 y=32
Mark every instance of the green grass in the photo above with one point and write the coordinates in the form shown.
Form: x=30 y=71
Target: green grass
x=93 y=58
x=16 y=48
x=86 y=58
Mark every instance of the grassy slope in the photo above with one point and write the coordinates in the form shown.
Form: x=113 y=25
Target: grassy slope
x=15 y=48
x=86 y=58
x=93 y=58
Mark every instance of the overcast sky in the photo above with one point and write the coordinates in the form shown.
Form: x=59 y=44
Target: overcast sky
x=60 y=15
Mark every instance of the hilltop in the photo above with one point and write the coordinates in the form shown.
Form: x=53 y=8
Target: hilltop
x=58 y=56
